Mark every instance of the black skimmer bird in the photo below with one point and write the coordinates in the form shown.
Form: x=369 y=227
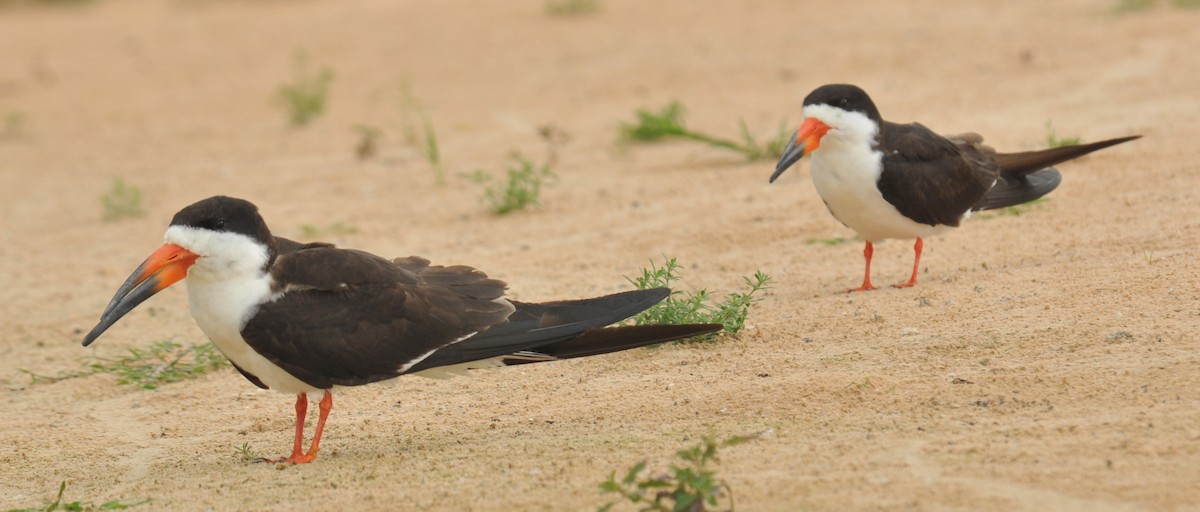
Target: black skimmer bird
x=887 y=180
x=307 y=318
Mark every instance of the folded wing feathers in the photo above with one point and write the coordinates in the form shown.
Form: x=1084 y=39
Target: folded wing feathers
x=563 y=329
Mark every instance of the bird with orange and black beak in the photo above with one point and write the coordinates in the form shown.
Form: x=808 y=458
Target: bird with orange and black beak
x=309 y=318
x=887 y=180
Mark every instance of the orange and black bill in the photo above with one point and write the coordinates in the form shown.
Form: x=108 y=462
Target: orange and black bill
x=167 y=266
x=806 y=140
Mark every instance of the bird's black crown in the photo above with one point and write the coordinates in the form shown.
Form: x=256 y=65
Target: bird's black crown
x=847 y=97
x=225 y=214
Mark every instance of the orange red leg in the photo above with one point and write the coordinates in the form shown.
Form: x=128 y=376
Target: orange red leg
x=916 y=264
x=298 y=456
x=866 y=285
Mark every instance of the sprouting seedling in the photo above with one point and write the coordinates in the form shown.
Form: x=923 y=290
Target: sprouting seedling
x=14 y=125
x=162 y=363
x=78 y=506
x=687 y=307
x=521 y=188
x=246 y=454
x=336 y=228
x=418 y=130
x=572 y=7
x=122 y=200
x=1127 y=6
x=305 y=97
x=668 y=122
x=1016 y=210
x=554 y=138
x=690 y=485
x=368 y=141
x=831 y=242
x=1053 y=141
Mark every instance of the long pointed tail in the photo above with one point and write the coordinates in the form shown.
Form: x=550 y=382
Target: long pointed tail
x=615 y=339
x=1028 y=175
x=563 y=330
x=1020 y=164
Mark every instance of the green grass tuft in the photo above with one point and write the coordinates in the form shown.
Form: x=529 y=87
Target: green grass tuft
x=78 y=506
x=14 y=125
x=337 y=228
x=668 y=122
x=164 y=362
x=414 y=114
x=695 y=307
x=1016 y=210
x=245 y=453
x=122 y=200
x=690 y=485
x=572 y=7
x=831 y=242
x=1130 y=6
x=1053 y=141
x=368 y=141
x=305 y=97
x=522 y=186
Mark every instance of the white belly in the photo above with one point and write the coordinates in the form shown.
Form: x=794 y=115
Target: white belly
x=847 y=180
x=221 y=309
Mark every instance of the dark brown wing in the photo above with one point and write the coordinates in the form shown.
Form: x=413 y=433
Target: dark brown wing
x=932 y=179
x=348 y=317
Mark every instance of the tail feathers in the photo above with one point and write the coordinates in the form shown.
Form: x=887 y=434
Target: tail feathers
x=1020 y=164
x=1013 y=190
x=597 y=312
x=616 y=339
x=534 y=326
x=590 y=343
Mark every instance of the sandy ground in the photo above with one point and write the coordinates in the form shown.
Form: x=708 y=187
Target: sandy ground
x=1045 y=362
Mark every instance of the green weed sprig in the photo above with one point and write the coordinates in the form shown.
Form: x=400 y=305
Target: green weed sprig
x=686 y=307
x=668 y=122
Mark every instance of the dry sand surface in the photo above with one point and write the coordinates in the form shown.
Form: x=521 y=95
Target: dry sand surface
x=1047 y=361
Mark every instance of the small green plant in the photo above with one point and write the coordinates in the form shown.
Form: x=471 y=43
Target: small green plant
x=337 y=228
x=555 y=138
x=521 y=188
x=1128 y=6
x=1052 y=140
x=668 y=123
x=414 y=113
x=1016 y=210
x=572 y=7
x=164 y=362
x=78 y=506
x=122 y=200
x=430 y=149
x=831 y=242
x=14 y=125
x=368 y=141
x=695 y=307
x=245 y=453
x=690 y=485
x=304 y=98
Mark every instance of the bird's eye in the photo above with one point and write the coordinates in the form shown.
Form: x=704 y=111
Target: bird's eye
x=219 y=223
x=843 y=102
